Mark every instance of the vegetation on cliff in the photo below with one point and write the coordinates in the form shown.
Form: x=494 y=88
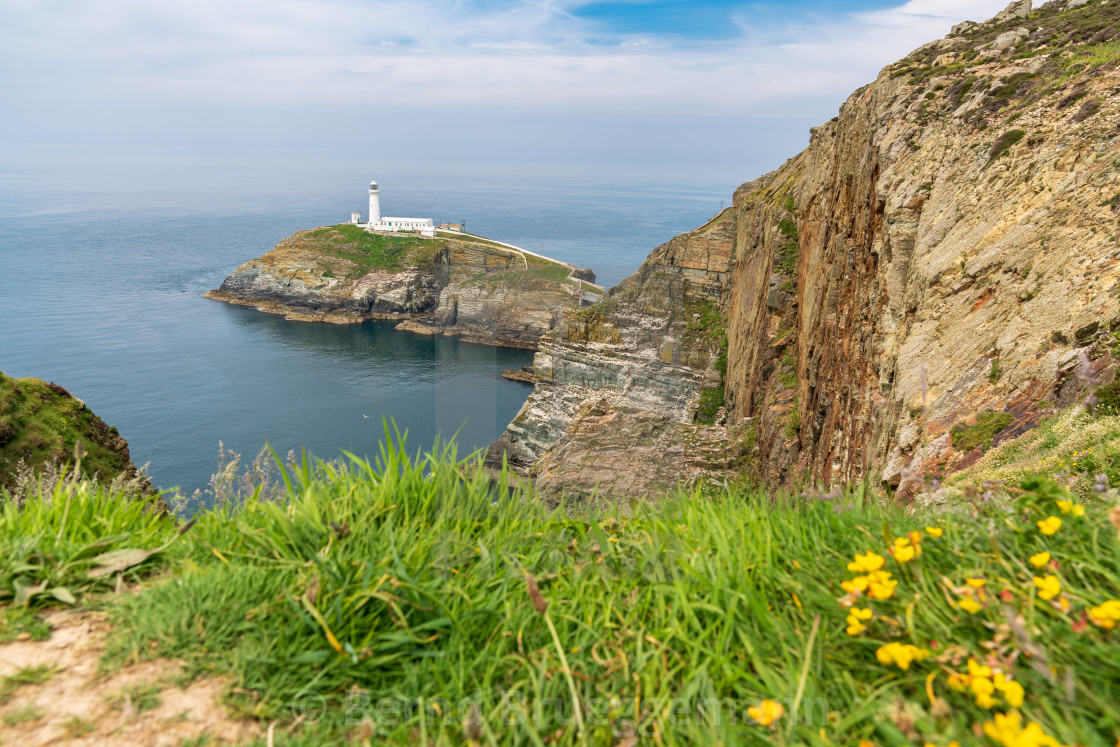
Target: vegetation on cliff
x=347 y=252
x=401 y=602
x=361 y=251
x=451 y=285
x=41 y=423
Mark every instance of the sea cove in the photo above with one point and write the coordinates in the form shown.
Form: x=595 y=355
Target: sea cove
x=107 y=287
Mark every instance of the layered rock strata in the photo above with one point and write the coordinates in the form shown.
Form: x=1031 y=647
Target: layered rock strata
x=613 y=406
x=477 y=290
x=945 y=248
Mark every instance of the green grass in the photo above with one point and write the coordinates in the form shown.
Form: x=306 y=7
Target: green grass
x=1004 y=143
x=27 y=676
x=470 y=239
x=23 y=715
x=1106 y=399
x=137 y=698
x=77 y=727
x=373 y=251
x=400 y=593
x=987 y=425
x=41 y=422
x=710 y=402
x=792 y=425
x=544 y=271
x=704 y=322
x=1078 y=445
x=54 y=536
x=1091 y=57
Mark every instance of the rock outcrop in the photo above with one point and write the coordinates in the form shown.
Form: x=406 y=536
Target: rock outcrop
x=475 y=289
x=617 y=382
x=944 y=249
x=41 y=423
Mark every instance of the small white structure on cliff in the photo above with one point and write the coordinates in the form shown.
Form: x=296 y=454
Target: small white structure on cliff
x=426 y=226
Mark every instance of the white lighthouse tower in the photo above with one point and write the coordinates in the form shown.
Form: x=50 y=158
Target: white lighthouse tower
x=422 y=226
x=374 y=204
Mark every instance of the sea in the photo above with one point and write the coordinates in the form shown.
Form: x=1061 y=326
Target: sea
x=102 y=272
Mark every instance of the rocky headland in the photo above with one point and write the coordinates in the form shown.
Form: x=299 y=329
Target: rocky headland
x=43 y=424
x=453 y=284
x=934 y=274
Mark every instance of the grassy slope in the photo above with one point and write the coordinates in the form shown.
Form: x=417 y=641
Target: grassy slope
x=367 y=252
x=40 y=422
x=1073 y=444
x=362 y=252
x=405 y=582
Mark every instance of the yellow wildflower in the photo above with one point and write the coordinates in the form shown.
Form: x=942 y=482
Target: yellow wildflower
x=1040 y=560
x=1050 y=525
x=1069 y=507
x=1106 y=615
x=1063 y=604
x=970 y=605
x=985 y=686
x=864 y=613
x=1011 y=691
x=1048 y=586
x=882 y=586
x=766 y=712
x=934 y=532
x=855 y=620
x=975 y=583
x=982 y=689
x=1007 y=729
x=900 y=654
x=904 y=550
x=868 y=563
x=976 y=669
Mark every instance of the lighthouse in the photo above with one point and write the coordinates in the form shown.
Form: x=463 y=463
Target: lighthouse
x=374 y=204
x=422 y=226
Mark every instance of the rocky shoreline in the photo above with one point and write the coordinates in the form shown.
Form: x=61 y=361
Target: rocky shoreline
x=477 y=290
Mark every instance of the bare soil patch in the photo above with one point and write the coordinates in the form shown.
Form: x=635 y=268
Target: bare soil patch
x=144 y=704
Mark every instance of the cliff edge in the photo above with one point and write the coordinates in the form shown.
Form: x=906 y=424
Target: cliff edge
x=42 y=423
x=942 y=259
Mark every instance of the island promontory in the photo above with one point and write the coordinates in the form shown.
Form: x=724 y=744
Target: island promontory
x=451 y=284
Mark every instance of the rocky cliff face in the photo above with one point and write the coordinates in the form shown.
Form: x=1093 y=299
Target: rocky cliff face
x=478 y=290
x=945 y=249
x=617 y=383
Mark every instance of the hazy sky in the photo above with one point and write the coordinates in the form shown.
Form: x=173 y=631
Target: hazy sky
x=698 y=90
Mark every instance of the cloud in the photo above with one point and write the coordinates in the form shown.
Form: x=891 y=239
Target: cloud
x=525 y=55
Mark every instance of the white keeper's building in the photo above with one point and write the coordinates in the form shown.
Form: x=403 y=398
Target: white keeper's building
x=425 y=226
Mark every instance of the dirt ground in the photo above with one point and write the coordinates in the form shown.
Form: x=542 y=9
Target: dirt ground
x=140 y=705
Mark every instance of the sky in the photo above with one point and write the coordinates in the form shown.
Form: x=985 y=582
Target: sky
x=702 y=91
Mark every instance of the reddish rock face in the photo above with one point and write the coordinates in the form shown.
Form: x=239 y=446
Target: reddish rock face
x=945 y=247
x=956 y=243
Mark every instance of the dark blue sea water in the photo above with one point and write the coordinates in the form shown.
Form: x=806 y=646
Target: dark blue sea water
x=102 y=271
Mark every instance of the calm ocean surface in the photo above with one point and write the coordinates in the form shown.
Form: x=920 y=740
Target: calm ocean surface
x=101 y=277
